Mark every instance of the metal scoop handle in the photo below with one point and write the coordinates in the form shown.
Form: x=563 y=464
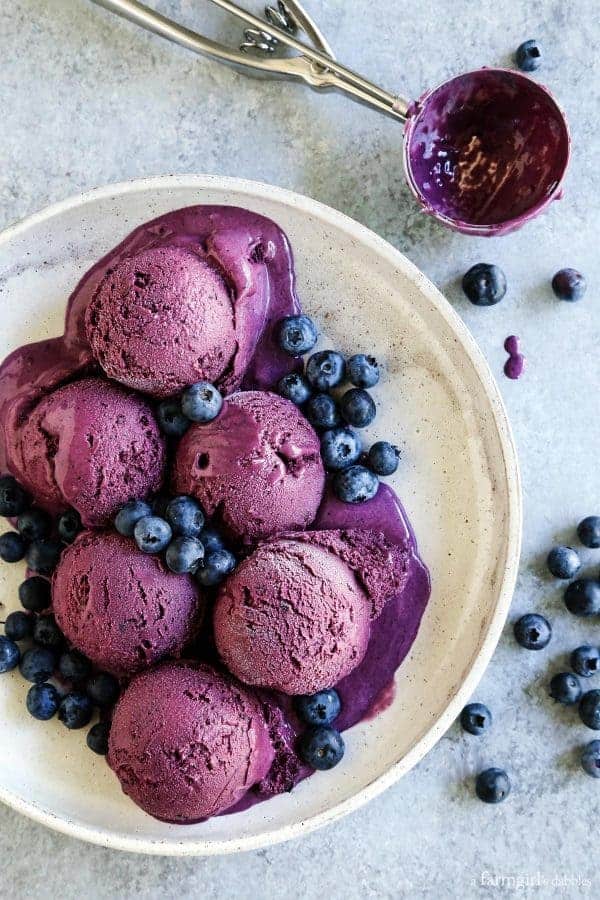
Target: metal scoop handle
x=315 y=67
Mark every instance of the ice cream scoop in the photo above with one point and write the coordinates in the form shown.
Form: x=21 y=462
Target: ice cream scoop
x=187 y=742
x=295 y=615
x=122 y=608
x=90 y=445
x=256 y=468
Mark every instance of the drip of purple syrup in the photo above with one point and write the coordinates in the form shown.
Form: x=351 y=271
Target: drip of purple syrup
x=515 y=364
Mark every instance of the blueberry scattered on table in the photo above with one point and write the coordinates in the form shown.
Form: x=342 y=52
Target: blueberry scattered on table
x=582 y=597
x=74 y=666
x=185 y=516
x=340 y=448
x=102 y=689
x=35 y=594
x=565 y=688
x=585 y=660
x=383 y=458
x=42 y=701
x=355 y=485
x=569 y=285
x=14 y=500
x=75 y=710
x=322 y=411
x=320 y=708
x=294 y=387
x=358 y=408
x=297 y=335
x=201 y=402
x=363 y=370
x=476 y=718
x=492 y=785
x=130 y=514
x=34 y=524
x=97 y=738
x=590 y=759
x=184 y=555
x=211 y=540
x=563 y=562
x=217 y=566
x=152 y=535
x=46 y=633
x=18 y=626
x=484 y=284
x=589 y=709
x=588 y=532
x=171 y=419
x=533 y=631
x=69 y=526
x=529 y=55
x=322 y=747
x=43 y=556
x=37 y=664
x=325 y=370
x=12 y=547
x=9 y=654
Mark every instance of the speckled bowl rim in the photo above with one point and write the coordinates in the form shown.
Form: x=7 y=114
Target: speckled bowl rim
x=488 y=640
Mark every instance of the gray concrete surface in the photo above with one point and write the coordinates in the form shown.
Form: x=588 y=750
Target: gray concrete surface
x=86 y=99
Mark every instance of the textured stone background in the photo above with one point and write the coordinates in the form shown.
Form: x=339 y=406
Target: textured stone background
x=85 y=100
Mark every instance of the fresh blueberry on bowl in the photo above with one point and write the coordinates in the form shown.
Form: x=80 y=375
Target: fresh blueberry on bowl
x=340 y=448
x=73 y=666
x=18 y=626
x=43 y=556
x=322 y=411
x=42 y=701
x=34 y=524
x=14 y=500
x=322 y=747
x=294 y=387
x=297 y=335
x=46 y=633
x=69 y=526
x=384 y=458
x=102 y=689
x=184 y=555
x=152 y=535
x=97 y=738
x=185 y=516
x=355 y=485
x=320 y=708
x=35 y=594
x=13 y=547
x=363 y=370
x=358 y=408
x=171 y=419
x=217 y=566
x=325 y=370
x=9 y=654
x=37 y=664
x=75 y=710
x=130 y=514
x=201 y=402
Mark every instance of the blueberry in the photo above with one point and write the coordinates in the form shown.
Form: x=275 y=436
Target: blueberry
x=325 y=370
x=201 y=402
x=340 y=448
x=12 y=547
x=563 y=562
x=589 y=709
x=322 y=411
x=184 y=555
x=69 y=526
x=590 y=759
x=159 y=504
x=363 y=371
x=484 y=284
x=297 y=335
x=294 y=387
x=18 y=626
x=43 y=556
x=73 y=666
x=358 y=408
x=211 y=540
x=42 y=701
x=492 y=785
x=13 y=499
x=9 y=654
x=75 y=710
x=152 y=535
x=322 y=747
x=102 y=689
x=529 y=56
x=320 y=708
x=570 y=285
x=565 y=688
x=97 y=738
x=185 y=516
x=586 y=660
x=588 y=532
x=171 y=419
x=130 y=514
x=476 y=718
x=34 y=524
x=35 y=594
x=217 y=566
x=533 y=631
x=38 y=664
x=383 y=458
x=46 y=633
x=582 y=597
x=355 y=485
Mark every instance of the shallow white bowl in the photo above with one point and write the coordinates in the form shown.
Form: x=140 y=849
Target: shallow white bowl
x=458 y=480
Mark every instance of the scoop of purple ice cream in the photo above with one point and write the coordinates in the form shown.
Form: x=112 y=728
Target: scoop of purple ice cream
x=121 y=608
x=187 y=742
